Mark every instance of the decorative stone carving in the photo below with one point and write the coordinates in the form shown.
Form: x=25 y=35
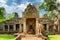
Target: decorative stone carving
x=31 y=11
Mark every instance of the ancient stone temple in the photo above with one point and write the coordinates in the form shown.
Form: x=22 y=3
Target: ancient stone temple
x=31 y=29
x=31 y=26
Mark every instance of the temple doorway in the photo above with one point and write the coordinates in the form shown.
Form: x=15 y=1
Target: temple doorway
x=31 y=24
x=45 y=26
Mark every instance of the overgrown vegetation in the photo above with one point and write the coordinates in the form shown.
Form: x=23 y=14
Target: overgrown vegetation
x=8 y=17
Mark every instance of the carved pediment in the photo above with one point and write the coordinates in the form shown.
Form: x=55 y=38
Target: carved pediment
x=30 y=11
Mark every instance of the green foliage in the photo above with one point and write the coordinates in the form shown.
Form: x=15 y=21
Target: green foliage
x=10 y=16
x=2 y=12
x=48 y=5
x=49 y=14
x=6 y=37
x=1 y=20
x=50 y=1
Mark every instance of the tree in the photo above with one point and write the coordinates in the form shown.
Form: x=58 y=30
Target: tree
x=2 y=12
x=50 y=6
x=10 y=16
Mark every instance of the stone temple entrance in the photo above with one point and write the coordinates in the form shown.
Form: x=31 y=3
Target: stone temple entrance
x=31 y=25
x=30 y=20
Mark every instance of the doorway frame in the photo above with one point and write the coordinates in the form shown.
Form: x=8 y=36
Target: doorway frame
x=34 y=27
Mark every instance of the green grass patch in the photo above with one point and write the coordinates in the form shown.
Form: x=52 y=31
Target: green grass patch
x=11 y=37
x=6 y=37
x=53 y=37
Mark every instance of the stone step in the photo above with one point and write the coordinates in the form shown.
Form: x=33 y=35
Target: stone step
x=31 y=37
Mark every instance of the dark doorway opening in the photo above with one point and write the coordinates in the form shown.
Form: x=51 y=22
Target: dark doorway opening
x=6 y=27
x=51 y=28
x=31 y=24
x=17 y=27
x=22 y=27
x=45 y=27
x=11 y=27
x=56 y=28
x=31 y=30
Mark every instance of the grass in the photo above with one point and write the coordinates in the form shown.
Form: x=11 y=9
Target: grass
x=6 y=37
x=11 y=37
x=53 y=37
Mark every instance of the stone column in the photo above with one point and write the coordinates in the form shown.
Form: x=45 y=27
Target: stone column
x=14 y=28
x=58 y=28
x=20 y=28
x=8 y=28
x=24 y=26
x=47 y=27
x=3 y=27
x=37 y=26
x=54 y=27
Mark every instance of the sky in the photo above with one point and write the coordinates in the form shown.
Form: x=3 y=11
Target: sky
x=18 y=5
